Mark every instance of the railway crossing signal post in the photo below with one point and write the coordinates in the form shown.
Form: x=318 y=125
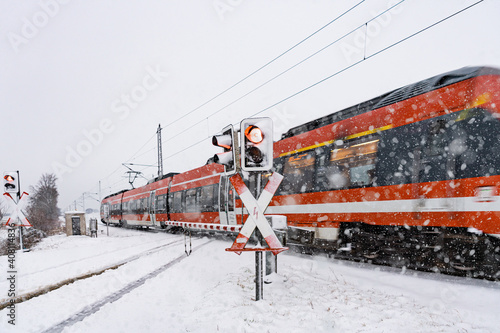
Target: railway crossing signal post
x=12 y=184
x=256 y=157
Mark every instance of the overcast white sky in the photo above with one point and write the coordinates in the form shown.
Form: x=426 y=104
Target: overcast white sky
x=84 y=84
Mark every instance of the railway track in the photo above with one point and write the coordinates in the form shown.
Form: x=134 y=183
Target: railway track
x=398 y=261
x=96 y=306
x=49 y=288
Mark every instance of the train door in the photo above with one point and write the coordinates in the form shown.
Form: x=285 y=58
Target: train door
x=151 y=208
x=227 y=214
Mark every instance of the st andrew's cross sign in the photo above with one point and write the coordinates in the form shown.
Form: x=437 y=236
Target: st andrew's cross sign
x=256 y=218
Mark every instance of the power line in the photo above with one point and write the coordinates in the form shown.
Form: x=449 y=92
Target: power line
x=288 y=69
x=265 y=65
x=368 y=57
x=240 y=81
x=142 y=147
x=292 y=67
x=324 y=79
x=348 y=67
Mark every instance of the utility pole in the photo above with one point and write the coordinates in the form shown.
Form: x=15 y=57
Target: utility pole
x=100 y=201
x=160 y=156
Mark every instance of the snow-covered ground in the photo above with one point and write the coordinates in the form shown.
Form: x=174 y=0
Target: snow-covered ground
x=213 y=291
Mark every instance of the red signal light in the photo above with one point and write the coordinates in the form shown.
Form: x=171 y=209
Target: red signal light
x=9 y=178
x=254 y=134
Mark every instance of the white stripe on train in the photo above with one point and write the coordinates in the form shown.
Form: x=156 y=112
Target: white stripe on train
x=462 y=204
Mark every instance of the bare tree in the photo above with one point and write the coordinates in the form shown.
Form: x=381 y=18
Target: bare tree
x=42 y=209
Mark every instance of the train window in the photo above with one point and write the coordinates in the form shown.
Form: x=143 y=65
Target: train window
x=475 y=144
x=298 y=173
x=191 y=200
x=396 y=154
x=170 y=200
x=434 y=158
x=177 y=202
x=351 y=165
x=436 y=140
x=161 y=204
x=216 y=198
x=206 y=198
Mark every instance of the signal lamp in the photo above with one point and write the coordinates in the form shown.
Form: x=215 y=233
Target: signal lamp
x=257 y=144
x=10 y=184
x=254 y=134
x=228 y=157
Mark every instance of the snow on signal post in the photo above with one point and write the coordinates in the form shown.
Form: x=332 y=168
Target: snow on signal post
x=256 y=144
x=17 y=216
x=17 y=204
x=256 y=218
x=229 y=157
x=10 y=182
x=256 y=157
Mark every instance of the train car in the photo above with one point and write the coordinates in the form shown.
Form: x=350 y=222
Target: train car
x=196 y=199
x=111 y=208
x=410 y=176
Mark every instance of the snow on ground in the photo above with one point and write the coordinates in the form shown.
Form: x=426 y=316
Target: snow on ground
x=213 y=291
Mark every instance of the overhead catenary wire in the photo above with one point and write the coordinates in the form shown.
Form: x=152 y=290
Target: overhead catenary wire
x=365 y=58
x=292 y=67
x=283 y=72
x=252 y=74
x=266 y=64
x=344 y=69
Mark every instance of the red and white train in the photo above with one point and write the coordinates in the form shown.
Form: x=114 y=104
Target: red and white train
x=411 y=177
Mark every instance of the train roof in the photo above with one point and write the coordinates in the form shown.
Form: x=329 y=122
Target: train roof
x=168 y=175
x=397 y=95
x=113 y=194
x=171 y=174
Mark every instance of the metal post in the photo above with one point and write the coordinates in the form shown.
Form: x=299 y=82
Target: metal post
x=21 y=237
x=18 y=199
x=271 y=264
x=100 y=200
x=160 y=153
x=259 y=290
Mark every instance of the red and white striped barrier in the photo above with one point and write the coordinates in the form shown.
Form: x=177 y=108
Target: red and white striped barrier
x=205 y=226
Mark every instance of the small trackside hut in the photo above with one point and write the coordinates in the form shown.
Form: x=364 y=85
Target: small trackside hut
x=75 y=223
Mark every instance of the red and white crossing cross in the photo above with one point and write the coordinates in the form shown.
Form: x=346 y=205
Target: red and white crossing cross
x=256 y=218
x=17 y=211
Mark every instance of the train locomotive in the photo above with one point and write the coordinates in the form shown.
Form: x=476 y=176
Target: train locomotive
x=409 y=178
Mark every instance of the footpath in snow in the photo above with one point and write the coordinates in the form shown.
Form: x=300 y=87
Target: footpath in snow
x=213 y=291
